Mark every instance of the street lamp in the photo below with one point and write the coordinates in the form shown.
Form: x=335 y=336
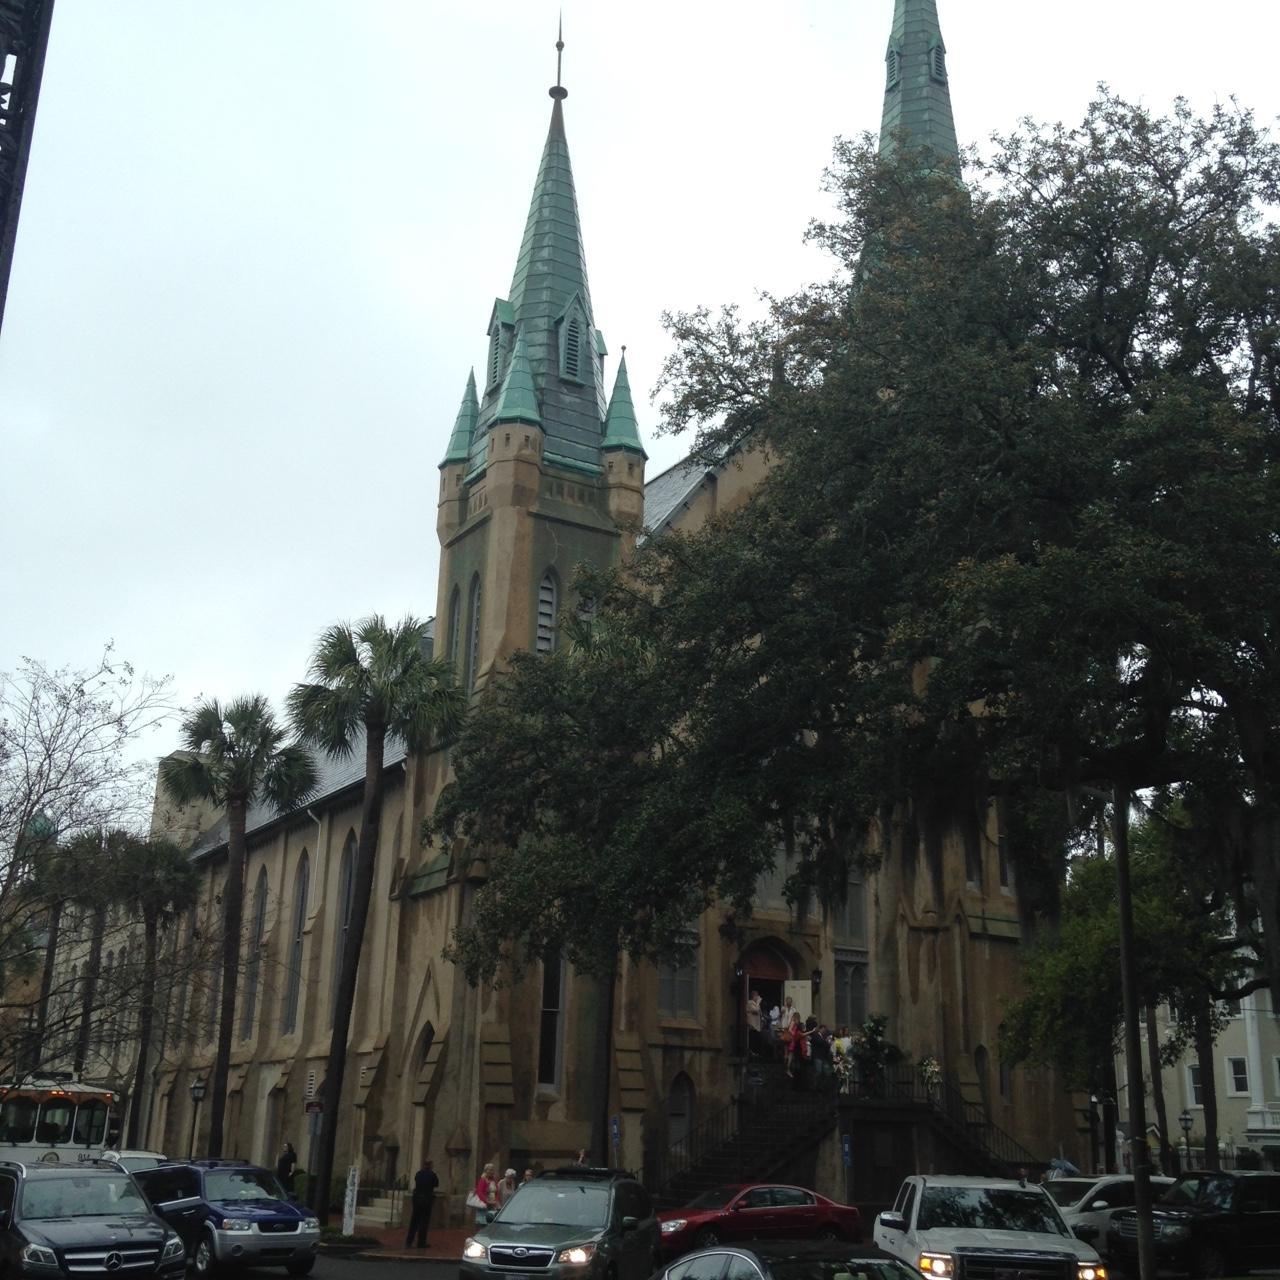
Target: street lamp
x=198 y=1090
x=1185 y=1121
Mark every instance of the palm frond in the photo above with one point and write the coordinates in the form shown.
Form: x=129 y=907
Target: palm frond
x=326 y=717
x=336 y=655
x=187 y=778
x=203 y=729
x=290 y=779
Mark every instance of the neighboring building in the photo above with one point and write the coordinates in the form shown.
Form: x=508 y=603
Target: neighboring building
x=544 y=469
x=1246 y=1077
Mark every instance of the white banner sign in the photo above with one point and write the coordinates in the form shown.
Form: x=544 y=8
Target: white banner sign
x=349 y=1201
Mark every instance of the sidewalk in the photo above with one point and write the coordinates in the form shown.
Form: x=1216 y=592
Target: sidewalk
x=445 y=1244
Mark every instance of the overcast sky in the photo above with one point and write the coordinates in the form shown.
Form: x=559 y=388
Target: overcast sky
x=261 y=240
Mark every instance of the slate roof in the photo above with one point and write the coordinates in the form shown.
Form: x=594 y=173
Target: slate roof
x=667 y=492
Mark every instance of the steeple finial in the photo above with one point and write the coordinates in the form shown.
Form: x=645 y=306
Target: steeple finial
x=558 y=91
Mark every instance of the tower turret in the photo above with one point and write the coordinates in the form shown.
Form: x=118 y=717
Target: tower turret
x=917 y=97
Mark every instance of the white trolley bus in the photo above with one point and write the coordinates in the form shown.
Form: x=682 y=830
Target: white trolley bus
x=55 y=1121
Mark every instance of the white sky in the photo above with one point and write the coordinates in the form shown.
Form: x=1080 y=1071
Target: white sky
x=261 y=239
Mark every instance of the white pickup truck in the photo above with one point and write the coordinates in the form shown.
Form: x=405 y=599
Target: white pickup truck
x=955 y=1228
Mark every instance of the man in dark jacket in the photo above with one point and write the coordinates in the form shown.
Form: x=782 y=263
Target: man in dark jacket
x=425 y=1183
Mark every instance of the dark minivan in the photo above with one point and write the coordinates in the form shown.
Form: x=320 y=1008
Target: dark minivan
x=232 y=1214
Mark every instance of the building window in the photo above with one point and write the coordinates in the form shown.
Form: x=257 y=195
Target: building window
x=972 y=856
x=548 y=606
x=678 y=985
x=851 y=989
x=551 y=1024
x=1002 y=846
x=211 y=1013
x=1006 y=1080
x=573 y=349
x=455 y=626
x=293 y=980
x=1237 y=1078
x=346 y=893
x=850 y=920
x=254 y=964
x=1277 y=1066
x=495 y=355
x=473 y=637
x=938 y=62
x=1194 y=1091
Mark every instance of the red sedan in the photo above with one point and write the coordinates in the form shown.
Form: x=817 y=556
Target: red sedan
x=757 y=1211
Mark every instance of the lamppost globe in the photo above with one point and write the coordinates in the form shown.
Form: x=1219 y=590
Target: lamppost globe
x=199 y=1089
x=1185 y=1121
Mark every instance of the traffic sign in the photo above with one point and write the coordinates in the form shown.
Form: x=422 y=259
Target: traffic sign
x=315 y=1106
x=615 y=1125
x=846 y=1150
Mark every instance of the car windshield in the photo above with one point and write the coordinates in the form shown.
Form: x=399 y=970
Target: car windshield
x=562 y=1204
x=802 y=1268
x=1066 y=1191
x=989 y=1209
x=716 y=1199
x=73 y=1197
x=242 y=1184
x=1208 y=1189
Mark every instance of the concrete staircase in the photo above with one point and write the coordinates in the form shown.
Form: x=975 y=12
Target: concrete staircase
x=383 y=1209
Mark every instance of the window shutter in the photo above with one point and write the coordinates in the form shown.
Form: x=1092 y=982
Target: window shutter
x=545 y=639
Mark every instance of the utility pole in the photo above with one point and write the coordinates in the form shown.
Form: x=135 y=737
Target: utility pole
x=1133 y=1041
x=24 y=38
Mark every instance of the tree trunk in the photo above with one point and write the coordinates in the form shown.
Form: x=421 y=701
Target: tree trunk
x=146 y=1009
x=38 y=1047
x=344 y=998
x=1208 y=1089
x=232 y=918
x=603 y=1067
x=89 y=993
x=1157 y=1090
x=1140 y=1159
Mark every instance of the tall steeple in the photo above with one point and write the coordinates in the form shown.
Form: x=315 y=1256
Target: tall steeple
x=917 y=98
x=549 y=310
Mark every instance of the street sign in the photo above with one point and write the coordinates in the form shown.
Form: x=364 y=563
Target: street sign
x=846 y=1150
x=314 y=1106
x=615 y=1126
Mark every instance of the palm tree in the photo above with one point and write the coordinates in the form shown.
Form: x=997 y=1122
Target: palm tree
x=158 y=883
x=377 y=679
x=235 y=756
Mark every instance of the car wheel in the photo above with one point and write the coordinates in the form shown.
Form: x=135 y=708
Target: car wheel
x=1210 y=1262
x=829 y=1233
x=300 y=1266
x=706 y=1238
x=205 y=1260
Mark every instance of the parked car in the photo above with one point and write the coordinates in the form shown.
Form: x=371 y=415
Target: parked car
x=756 y=1211
x=1088 y=1203
x=1208 y=1224
x=81 y=1219
x=955 y=1228
x=568 y=1224
x=789 y=1260
x=229 y=1213
x=133 y=1161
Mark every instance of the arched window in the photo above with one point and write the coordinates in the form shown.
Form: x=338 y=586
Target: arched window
x=893 y=61
x=495 y=355
x=455 y=625
x=428 y=1039
x=211 y=1012
x=293 y=979
x=116 y=998
x=548 y=607
x=982 y=1067
x=104 y=999
x=254 y=964
x=346 y=893
x=473 y=635
x=938 y=62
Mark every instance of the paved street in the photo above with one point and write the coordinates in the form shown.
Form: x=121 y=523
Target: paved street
x=365 y=1269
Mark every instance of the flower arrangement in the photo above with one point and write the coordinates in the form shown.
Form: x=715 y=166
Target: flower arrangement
x=930 y=1072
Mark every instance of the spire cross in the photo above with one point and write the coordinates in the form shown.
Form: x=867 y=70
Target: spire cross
x=559 y=91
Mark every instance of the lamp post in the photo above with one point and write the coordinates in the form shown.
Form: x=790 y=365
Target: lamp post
x=815 y=980
x=198 y=1090
x=1185 y=1121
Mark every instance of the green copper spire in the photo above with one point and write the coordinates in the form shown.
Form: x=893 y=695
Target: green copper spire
x=917 y=98
x=550 y=305
x=464 y=425
x=620 y=430
x=518 y=402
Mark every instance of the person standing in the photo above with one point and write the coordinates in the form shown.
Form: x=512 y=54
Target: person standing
x=285 y=1166
x=485 y=1195
x=423 y=1201
x=754 y=1011
x=507 y=1187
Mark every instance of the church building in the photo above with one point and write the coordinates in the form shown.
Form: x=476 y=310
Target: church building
x=544 y=469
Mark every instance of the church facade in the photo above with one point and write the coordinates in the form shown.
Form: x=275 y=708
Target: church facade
x=544 y=469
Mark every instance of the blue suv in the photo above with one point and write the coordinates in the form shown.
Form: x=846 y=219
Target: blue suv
x=229 y=1213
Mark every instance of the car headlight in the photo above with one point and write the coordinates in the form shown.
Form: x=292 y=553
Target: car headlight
x=1090 y=1271
x=311 y=1224
x=937 y=1264
x=172 y=1248
x=577 y=1255
x=674 y=1224
x=236 y=1224
x=39 y=1254
x=474 y=1250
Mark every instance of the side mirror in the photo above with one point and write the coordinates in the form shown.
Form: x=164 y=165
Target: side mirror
x=892 y=1221
x=1099 y=1204
x=629 y=1223
x=1084 y=1231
